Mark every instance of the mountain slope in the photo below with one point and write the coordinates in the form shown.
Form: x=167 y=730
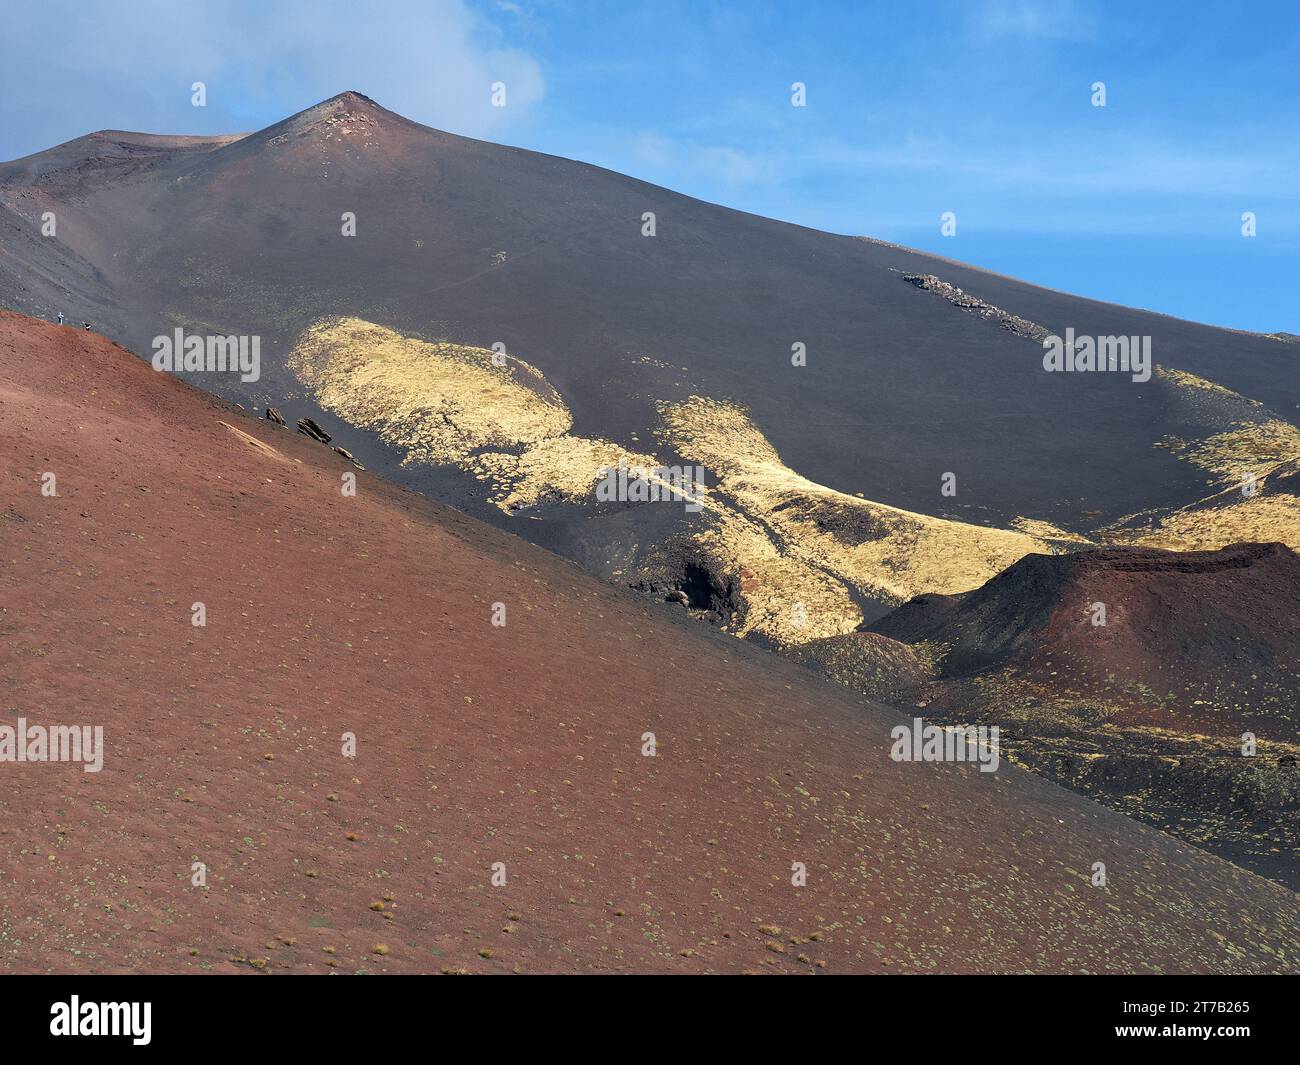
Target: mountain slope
x=372 y=614
x=1199 y=639
x=476 y=245
x=1162 y=683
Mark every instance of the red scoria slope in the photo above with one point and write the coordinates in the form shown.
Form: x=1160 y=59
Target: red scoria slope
x=1195 y=639
x=475 y=745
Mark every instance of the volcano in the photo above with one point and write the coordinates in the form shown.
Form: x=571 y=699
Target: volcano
x=493 y=327
x=396 y=739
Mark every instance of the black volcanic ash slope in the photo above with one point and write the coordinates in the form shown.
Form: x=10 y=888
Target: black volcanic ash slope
x=899 y=386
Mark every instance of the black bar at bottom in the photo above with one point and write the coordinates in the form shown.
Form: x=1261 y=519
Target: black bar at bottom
x=330 y=1014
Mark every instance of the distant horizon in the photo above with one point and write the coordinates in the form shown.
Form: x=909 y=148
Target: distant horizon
x=986 y=112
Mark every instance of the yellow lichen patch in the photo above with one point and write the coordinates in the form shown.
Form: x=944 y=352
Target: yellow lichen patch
x=890 y=553
x=784 y=597
x=1263 y=519
x=1183 y=380
x=1248 y=448
x=1243 y=438
x=436 y=402
x=559 y=468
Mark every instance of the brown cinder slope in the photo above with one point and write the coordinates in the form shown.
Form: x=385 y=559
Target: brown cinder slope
x=475 y=745
x=1197 y=639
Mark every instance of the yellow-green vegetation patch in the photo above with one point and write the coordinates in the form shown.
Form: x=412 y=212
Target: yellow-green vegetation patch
x=1243 y=450
x=1244 y=447
x=1261 y=519
x=890 y=553
x=784 y=596
x=1242 y=437
x=448 y=404
x=1189 y=381
x=435 y=401
x=558 y=468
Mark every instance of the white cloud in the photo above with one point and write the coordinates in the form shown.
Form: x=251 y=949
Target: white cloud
x=82 y=66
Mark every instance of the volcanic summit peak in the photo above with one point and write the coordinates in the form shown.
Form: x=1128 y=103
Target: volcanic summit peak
x=349 y=117
x=350 y=104
x=352 y=99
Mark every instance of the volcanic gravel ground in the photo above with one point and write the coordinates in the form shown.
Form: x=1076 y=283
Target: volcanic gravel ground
x=476 y=745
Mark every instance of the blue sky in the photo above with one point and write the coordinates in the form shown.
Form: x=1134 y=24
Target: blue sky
x=979 y=108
